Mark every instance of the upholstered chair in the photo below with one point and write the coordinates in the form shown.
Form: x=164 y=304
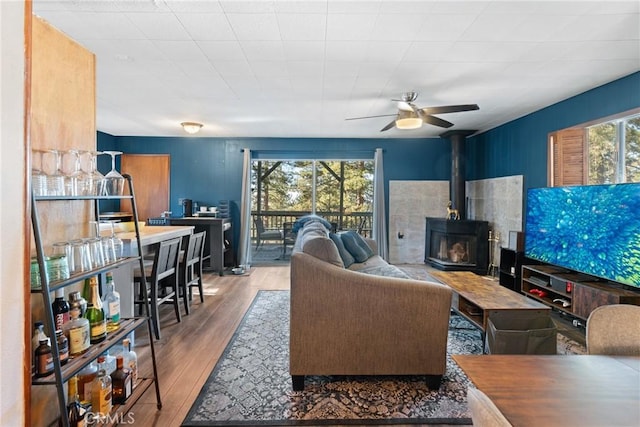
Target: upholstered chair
x=614 y=330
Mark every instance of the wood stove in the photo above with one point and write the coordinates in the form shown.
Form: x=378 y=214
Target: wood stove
x=457 y=245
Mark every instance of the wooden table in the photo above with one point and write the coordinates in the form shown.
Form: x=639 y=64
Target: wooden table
x=537 y=390
x=476 y=297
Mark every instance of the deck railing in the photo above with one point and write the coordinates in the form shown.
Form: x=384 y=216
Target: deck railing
x=359 y=221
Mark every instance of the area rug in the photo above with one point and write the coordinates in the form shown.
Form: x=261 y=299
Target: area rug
x=251 y=385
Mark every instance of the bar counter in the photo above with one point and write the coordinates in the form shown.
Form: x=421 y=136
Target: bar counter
x=149 y=237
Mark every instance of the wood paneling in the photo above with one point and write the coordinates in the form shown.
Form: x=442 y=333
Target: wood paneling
x=151 y=180
x=61 y=116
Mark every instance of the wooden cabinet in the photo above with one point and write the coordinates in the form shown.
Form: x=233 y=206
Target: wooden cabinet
x=510 y=272
x=573 y=293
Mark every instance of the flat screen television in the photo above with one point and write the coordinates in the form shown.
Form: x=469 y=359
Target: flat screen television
x=591 y=229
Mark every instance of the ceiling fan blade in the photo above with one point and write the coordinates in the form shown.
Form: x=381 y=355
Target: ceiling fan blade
x=389 y=126
x=371 y=117
x=450 y=109
x=436 y=121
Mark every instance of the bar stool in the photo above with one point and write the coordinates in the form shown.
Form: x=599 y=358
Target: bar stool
x=191 y=268
x=161 y=276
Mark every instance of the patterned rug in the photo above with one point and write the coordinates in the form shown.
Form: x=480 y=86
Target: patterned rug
x=251 y=384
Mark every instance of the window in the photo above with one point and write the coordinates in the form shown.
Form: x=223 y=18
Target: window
x=614 y=151
x=596 y=153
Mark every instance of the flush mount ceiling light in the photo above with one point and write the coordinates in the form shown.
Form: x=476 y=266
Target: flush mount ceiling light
x=191 y=127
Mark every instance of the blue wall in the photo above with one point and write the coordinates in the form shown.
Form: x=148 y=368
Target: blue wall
x=210 y=169
x=520 y=146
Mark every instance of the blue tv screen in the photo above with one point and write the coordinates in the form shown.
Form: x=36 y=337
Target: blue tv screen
x=592 y=229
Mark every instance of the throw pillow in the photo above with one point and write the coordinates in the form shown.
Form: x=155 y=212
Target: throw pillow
x=356 y=245
x=323 y=248
x=346 y=256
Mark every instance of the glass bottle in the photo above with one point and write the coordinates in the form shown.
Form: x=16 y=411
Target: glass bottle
x=85 y=381
x=77 y=332
x=38 y=335
x=130 y=359
x=101 y=391
x=60 y=309
x=109 y=362
x=76 y=300
x=44 y=359
x=63 y=347
x=75 y=411
x=122 y=382
x=95 y=314
x=111 y=303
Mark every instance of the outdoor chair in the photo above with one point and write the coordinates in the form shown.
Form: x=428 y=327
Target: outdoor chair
x=263 y=233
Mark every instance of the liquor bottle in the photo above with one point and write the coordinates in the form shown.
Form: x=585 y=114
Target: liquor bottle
x=109 y=362
x=38 y=334
x=95 y=315
x=63 y=347
x=121 y=381
x=75 y=411
x=101 y=392
x=77 y=332
x=77 y=300
x=60 y=309
x=44 y=359
x=111 y=304
x=130 y=360
x=85 y=381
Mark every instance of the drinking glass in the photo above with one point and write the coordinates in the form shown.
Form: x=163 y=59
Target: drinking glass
x=96 y=251
x=38 y=177
x=55 y=177
x=118 y=245
x=80 y=255
x=114 y=182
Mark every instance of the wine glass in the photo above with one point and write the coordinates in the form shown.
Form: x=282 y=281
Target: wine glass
x=94 y=180
x=114 y=182
x=55 y=177
x=73 y=177
x=38 y=177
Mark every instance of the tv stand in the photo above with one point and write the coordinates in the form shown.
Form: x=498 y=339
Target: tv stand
x=573 y=293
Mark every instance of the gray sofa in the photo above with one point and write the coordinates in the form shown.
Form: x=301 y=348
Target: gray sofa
x=347 y=322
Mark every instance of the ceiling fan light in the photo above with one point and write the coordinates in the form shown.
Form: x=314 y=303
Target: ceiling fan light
x=409 y=123
x=191 y=127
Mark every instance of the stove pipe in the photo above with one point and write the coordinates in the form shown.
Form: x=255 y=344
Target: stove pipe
x=458 y=158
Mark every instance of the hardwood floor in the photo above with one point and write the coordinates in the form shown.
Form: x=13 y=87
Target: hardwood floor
x=188 y=351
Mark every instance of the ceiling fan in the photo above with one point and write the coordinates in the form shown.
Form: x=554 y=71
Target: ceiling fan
x=411 y=117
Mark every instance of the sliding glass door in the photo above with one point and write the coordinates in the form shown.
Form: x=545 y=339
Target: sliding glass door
x=283 y=190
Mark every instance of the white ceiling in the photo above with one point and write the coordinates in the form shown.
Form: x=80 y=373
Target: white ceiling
x=299 y=68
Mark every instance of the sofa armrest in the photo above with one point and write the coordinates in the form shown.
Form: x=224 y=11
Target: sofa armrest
x=345 y=322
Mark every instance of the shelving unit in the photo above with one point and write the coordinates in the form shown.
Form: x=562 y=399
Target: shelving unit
x=61 y=374
x=573 y=293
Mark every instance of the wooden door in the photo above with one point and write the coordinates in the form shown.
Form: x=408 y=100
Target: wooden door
x=151 y=178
